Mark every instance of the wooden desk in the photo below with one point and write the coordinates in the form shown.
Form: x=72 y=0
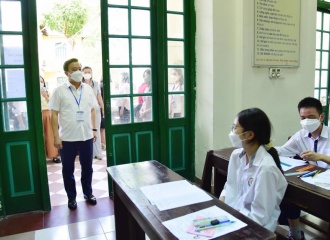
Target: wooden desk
x=307 y=197
x=135 y=216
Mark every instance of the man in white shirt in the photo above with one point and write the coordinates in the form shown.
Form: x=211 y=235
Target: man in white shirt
x=311 y=143
x=73 y=122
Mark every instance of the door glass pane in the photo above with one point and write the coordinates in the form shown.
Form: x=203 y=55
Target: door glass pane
x=318 y=20
x=325 y=60
x=12 y=83
x=143 y=111
x=326 y=22
x=316 y=93
x=140 y=3
x=10 y=12
x=12 y=50
x=118 y=2
x=121 y=113
x=317 y=59
x=325 y=45
x=175 y=53
x=318 y=40
x=317 y=79
x=141 y=51
x=175 y=5
x=141 y=79
x=15 y=116
x=175 y=80
x=140 y=23
x=117 y=76
x=176 y=105
x=174 y=26
x=323 y=96
x=118 y=51
x=324 y=79
x=118 y=21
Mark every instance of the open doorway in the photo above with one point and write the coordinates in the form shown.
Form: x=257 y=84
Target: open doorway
x=79 y=37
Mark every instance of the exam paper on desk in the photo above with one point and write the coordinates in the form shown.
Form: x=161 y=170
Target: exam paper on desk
x=174 y=194
x=288 y=163
x=178 y=226
x=321 y=180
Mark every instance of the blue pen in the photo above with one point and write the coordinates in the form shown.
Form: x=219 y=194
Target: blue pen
x=201 y=228
x=309 y=174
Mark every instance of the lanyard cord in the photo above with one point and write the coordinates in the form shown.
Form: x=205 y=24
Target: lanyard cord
x=78 y=103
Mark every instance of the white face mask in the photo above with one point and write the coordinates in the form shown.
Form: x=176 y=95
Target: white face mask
x=310 y=124
x=235 y=140
x=87 y=76
x=76 y=76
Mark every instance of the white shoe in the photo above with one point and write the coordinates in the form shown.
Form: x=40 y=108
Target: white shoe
x=98 y=157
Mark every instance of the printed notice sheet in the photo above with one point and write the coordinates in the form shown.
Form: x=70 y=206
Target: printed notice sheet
x=174 y=194
x=321 y=180
x=288 y=163
x=181 y=226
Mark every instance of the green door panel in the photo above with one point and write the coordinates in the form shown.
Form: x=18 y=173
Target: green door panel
x=23 y=172
x=155 y=36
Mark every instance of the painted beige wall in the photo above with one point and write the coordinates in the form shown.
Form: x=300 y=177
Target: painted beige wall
x=227 y=82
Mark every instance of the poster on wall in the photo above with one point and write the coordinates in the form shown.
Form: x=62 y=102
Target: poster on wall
x=276 y=33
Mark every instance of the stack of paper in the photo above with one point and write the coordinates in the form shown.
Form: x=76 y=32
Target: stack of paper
x=288 y=163
x=321 y=180
x=174 y=194
x=181 y=227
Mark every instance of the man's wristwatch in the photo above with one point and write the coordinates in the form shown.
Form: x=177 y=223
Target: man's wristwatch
x=94 y=129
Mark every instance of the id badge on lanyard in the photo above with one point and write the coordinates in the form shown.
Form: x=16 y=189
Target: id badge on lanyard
x=80 y=113
x=80 y=116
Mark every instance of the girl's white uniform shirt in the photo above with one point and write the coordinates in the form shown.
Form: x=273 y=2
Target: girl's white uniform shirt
x=255 y=189
x=65 y=102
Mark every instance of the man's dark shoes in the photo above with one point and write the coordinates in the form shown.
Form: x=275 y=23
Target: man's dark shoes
x=90 y=199
x=56 y=160
x=72 y=204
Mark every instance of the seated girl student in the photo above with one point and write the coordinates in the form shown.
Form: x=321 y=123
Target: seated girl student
x=255 y=182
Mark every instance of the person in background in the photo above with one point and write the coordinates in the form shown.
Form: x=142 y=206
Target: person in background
x=87 y=78
x=177 y=100
x=141 y=89
x=145 y=112
x=255 y=182
x=311 y=143
x=123 y=102
x=102 y=125
x=51 y=150
x=74 y=127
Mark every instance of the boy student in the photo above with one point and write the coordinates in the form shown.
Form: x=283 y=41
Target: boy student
x=311 y=143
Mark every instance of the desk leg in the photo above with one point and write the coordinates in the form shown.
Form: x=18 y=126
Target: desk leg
x=126 y=226
x=219 y=182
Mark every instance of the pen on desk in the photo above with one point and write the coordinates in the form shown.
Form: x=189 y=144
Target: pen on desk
x=318 y=171
x=309 y=174
x=303 y=173
x=202 y=228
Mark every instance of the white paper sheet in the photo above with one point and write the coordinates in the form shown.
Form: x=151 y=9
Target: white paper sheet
x=321 y=180
x=288 y=163
x=174 y=194
x=178 y=226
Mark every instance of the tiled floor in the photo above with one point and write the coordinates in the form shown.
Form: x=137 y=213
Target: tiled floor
x=55 y=181
x=86 y=222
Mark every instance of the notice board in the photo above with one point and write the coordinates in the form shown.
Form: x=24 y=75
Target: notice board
x=276 y=33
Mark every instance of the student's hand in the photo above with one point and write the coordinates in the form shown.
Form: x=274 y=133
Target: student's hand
x=310 y=156
x=58 y=143
x=94 y=136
